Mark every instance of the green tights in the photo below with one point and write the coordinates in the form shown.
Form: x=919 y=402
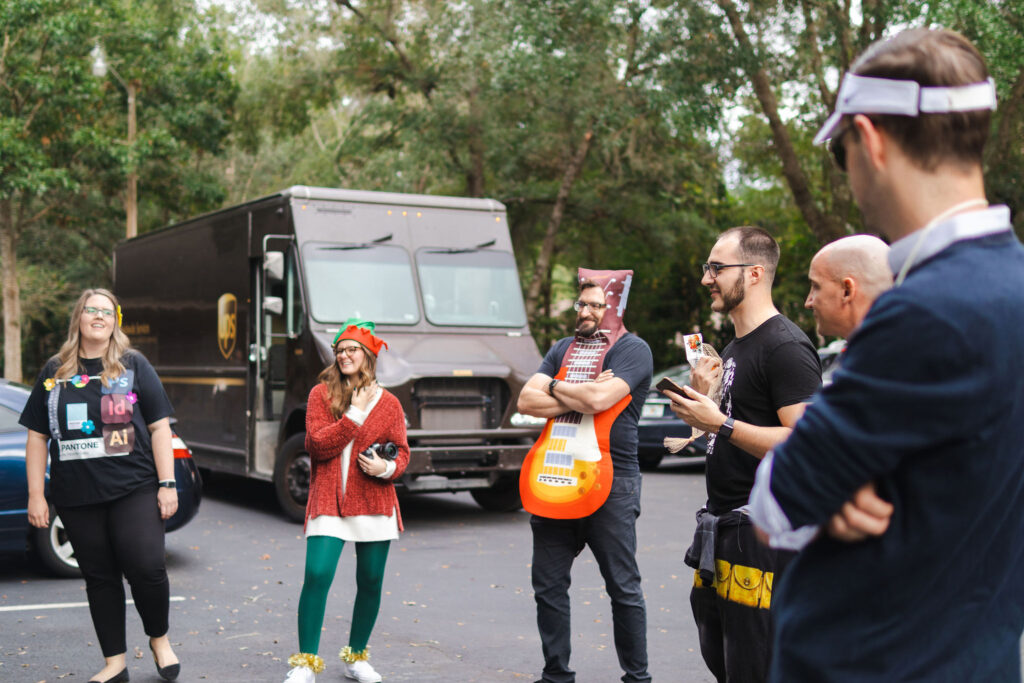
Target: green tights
x=322 y=554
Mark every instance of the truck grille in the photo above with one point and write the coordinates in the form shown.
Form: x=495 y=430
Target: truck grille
x=458 y=403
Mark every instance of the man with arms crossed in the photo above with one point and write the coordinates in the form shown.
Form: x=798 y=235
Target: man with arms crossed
x=769 y=371
x=610 y=532
x=927 y=403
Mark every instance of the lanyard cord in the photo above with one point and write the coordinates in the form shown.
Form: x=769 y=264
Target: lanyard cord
x=927 y=228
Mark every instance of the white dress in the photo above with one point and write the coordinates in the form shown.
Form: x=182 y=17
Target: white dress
x=360 y=528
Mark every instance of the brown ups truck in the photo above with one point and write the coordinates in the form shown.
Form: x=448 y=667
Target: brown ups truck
x=236 y=310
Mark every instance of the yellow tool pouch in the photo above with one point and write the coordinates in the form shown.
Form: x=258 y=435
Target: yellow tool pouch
x=746 y=585
x=766 y=590
x=723 y=570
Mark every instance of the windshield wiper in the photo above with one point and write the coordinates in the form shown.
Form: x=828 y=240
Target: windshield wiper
x=467 y=250
x=364 y=245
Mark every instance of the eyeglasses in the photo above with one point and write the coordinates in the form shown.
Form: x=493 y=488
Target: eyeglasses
x=348 y=351
x=838 y=149
x=580 y=305
x=106 y=312
x=713 y=268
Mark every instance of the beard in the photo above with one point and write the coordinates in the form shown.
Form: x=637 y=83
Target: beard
x=731 y=298
x=586 y=327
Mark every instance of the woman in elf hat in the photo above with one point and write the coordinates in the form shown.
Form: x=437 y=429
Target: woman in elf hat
x=351 y=422
x=103 y=410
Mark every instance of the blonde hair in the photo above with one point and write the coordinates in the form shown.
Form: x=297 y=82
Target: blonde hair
x=339 y=389
x=119 y=344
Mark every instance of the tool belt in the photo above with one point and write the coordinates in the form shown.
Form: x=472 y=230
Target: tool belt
x=734 y=582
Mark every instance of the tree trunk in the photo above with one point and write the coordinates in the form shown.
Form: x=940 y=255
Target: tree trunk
x=11 y=293
x=824 y=226
x=475 y=172
x=542 y=268
x=1000 y=148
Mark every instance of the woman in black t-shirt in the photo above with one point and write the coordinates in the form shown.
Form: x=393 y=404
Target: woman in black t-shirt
x=105 y=414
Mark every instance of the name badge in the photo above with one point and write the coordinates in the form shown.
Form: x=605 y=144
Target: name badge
x=120 y=385
x=118 y=439
x=81 y=449
x=77 y=413
x=115 y=409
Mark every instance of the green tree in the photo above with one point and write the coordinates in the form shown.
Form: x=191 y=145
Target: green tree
x=66 y=161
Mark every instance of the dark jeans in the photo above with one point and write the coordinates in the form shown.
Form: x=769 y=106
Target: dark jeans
x=735 y=638
x=611 y=534
x=121 y=537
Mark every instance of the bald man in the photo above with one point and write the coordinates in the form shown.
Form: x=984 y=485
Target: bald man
x=846 y=277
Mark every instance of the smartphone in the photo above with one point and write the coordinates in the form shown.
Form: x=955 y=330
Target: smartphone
x=667 y=384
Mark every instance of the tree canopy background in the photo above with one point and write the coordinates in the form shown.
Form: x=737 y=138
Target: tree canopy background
x=619 y=134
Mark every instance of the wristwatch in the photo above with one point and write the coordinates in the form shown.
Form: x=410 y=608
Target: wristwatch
x=725 y=431
x=167 y=484
x=551 y=386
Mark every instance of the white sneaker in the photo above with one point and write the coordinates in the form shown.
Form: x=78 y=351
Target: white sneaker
x=361 y=671
x=301 y=674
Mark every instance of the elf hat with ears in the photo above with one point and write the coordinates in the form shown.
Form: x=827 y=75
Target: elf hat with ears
x=360 y=331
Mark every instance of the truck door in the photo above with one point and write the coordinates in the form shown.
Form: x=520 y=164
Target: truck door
x=279 y=324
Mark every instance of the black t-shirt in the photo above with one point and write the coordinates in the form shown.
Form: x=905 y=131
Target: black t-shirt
x=631 y=361
x=102 y=450
x=773 y=366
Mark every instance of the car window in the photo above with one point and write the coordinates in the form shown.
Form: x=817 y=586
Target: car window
x=9 y=420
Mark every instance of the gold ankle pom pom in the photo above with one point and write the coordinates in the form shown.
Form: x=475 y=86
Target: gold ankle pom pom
x=350 y=657
x=310 y=661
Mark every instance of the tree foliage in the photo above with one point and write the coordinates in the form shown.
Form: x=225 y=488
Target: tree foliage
x=619 y=133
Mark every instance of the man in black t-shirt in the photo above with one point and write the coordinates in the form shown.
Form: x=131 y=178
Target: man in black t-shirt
x=769 y=371
x=610 y=531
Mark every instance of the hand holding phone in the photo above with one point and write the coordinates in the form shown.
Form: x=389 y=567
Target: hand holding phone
x=666 y=384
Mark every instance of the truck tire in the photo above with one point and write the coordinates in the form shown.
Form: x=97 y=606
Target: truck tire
x=53 y=549
x=502 y=496
x=291 y=477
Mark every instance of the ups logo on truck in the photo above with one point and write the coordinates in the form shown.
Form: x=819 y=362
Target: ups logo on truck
x=227 y=324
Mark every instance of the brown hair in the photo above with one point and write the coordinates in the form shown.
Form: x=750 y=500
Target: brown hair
x=931 y=57
x=339 y=390
x=119 y=343
x=757 y=246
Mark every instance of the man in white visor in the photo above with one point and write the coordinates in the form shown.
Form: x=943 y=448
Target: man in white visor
x=928 y=404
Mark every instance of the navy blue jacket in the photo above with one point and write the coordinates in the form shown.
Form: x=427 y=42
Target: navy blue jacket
x=929 y=404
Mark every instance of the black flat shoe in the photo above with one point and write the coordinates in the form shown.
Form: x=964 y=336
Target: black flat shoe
x=168 y=673
x=120 y=677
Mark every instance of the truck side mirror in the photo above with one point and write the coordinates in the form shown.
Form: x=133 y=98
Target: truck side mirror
x=273 y=265
x=273 y=304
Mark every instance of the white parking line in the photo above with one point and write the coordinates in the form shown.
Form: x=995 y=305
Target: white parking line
x=68 y=605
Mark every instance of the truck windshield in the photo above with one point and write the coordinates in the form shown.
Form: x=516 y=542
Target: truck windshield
x=369 y=281
x=470 y=287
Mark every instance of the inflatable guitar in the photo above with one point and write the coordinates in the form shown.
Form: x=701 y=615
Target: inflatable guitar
x=568 y=472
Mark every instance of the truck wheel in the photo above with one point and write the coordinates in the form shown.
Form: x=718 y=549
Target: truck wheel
x=650 y=462
x=52 y=547
x=291 y=477
x=502 y=496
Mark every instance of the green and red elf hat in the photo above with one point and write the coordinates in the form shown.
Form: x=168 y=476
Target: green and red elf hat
x=360 y=331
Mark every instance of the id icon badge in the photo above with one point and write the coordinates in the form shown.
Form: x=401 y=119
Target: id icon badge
x=116 y=409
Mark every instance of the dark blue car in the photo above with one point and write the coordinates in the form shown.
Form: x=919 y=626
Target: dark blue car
x=51 y=545
x=657 y=421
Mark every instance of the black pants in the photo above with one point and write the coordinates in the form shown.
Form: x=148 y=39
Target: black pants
x=735 y=636
x=123 y=537
x=611 y=534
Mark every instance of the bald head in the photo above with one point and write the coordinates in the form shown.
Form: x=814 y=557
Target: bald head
x=846 y=277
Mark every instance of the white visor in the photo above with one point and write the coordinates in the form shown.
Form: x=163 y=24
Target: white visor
x=867 y=95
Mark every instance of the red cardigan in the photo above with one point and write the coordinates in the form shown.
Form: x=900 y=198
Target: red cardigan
x=326 y=438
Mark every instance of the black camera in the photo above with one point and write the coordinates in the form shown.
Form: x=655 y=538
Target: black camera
x=388 y=451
